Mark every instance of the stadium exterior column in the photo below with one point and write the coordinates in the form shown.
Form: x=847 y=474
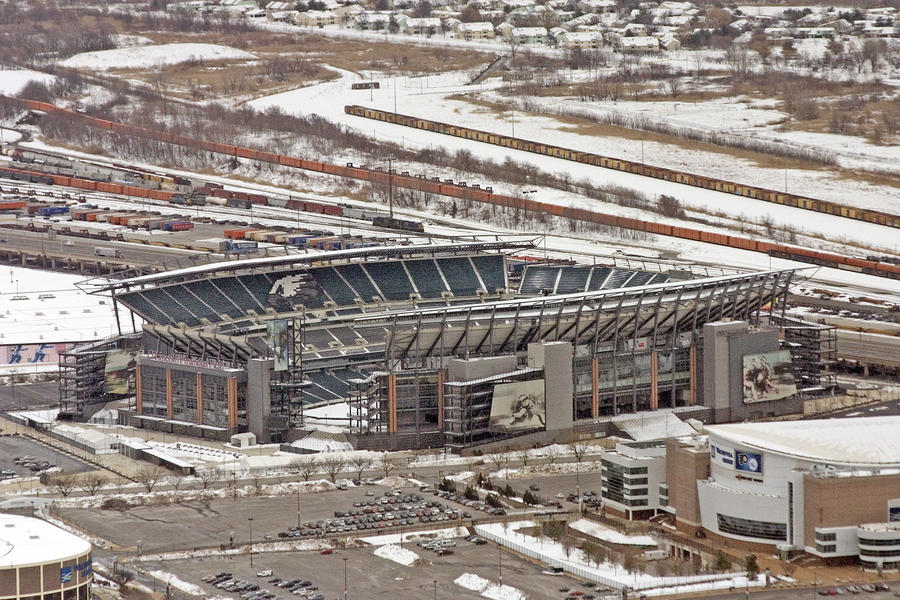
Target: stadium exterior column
x=595 y=390
x=392 y=403
x=232 y=403
x=441 y=375
x=692 y=400
x=654 y=380
x=138 y=391
x=170 y=409
x=199 y=398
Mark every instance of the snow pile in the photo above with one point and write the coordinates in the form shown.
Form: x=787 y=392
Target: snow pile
x=393 y=481
x=144 y=57
x=488 y=589
x=397 y=554
x=12 y=82
x=612 y=536
x=431 y=534
x=258 y=548
x=184 y=586
x=172 y=496
x=463 y=477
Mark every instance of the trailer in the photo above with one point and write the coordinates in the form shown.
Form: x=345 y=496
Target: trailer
x=107 y=252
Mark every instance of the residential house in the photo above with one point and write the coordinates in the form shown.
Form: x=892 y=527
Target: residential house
x=598 y=6
x=528 y=35
x=372 y=21
x=642 y=44
x=475 y=31
x=585 y=40
x=419 y=25
x=318 y=18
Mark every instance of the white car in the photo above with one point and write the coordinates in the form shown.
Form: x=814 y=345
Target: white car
x=68 y=243
x=265 y=573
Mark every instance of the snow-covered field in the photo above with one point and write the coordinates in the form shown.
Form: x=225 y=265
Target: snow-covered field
x=146 y=56
x=12 y=81
x=596 y=530
x=573 y=560
x=436 y=97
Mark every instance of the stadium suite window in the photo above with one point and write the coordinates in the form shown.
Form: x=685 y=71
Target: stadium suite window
x=826 y=547
x=822 y=536
x=750 y=528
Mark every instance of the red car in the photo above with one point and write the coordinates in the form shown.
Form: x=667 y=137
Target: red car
x=327 y=551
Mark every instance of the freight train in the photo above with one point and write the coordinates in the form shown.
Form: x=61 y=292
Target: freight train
x=469 y=192
x=637 y=168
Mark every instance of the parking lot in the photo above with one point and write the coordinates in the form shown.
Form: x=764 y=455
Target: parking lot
x=369 y=576
x=12 y=446
x=218 y=521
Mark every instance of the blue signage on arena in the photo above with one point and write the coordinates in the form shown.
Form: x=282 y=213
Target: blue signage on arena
x=726 y=456
x=750 y=462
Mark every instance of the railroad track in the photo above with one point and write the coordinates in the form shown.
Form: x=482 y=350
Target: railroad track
x=635 y=168
x=473 y=193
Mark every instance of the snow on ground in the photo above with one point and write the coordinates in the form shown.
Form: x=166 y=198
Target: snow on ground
x=12 y=82
x=612 y=536
x=184 y=586
x=483 y=586
x=290 y=546
x=144 y=57
x=415 y=536
x=122 y=40
x=433 y=97
x=51 y=308
x=510 y=535
x=397 y=554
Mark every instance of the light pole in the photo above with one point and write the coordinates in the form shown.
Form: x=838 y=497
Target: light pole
x=298 y=507
x=434 y=582
x=345 y=577
x=250 y=520
x=500 y=563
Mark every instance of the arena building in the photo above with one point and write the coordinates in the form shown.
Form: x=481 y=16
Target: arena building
x=450 y=344
x=39 y=561
x=827 y=487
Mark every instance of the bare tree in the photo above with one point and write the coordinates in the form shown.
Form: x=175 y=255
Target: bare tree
x=175 y=481
x=387 y=465
x=579 y=450
x=552 y=454
x=208 y=477
x=91 y=483
x=500 y=459
x=149 y=476
x=523 y=456
x=305 y=466
x=64 y=483
x=360 y=464
x=333 y=465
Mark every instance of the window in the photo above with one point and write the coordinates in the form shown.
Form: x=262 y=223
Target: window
x=746 y=527
x=865 y=542
x=826 y=547
x=826 y=537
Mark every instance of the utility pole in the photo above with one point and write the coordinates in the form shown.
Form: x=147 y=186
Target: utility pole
x=250 y=519
x=390 y=162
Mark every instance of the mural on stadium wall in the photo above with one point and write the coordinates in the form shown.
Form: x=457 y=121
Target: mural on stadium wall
x=279 y=342
x=118 y=372
x=24 y=355
x=768 y=377
x=518 y=406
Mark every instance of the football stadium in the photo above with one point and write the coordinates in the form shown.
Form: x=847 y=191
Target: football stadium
x=453 y=344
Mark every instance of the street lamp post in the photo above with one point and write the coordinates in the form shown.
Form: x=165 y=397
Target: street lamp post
x=298 y=507
x=434 y=582
x=250 y=520
x=500 y=563
x=345 y=577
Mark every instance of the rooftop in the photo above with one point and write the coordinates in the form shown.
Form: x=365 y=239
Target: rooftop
x=27 y=541
x=861 y=441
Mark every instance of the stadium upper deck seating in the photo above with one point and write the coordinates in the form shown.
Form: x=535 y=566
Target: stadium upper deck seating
x=391 y=278
x=560 y=279
x=492 y=270
x=427 y=278
x=333 y=285
x=460 y=274
x=359 y=281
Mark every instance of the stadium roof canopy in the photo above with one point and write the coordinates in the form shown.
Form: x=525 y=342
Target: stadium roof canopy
x=499 y=243
x=646 y=312
x=868 y=442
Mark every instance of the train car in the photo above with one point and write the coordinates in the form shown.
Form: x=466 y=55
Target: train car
x=402 y=224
